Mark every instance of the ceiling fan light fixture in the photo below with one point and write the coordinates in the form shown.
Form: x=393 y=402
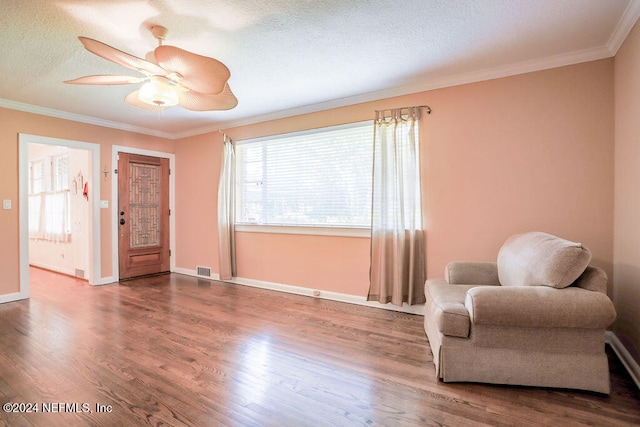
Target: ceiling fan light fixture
x=173 y=76
x=155 y=92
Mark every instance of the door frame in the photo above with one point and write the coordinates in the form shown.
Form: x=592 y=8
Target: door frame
x=115 y=149
x=23 y=193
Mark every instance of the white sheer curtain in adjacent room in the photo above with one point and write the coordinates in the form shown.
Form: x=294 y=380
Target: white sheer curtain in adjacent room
x=397 y=272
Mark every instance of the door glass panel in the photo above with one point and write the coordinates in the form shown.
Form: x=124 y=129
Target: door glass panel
x=144 y=215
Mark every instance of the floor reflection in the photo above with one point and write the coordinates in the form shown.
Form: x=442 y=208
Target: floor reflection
x=254 y=357
x=275 y=372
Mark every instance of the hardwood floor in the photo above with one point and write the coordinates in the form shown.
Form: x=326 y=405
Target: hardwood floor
x=177 y=350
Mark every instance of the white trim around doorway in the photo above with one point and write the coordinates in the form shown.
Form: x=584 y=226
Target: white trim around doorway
x=23 y=181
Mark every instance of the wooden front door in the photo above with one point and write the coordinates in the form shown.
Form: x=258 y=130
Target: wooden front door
x=143 y=215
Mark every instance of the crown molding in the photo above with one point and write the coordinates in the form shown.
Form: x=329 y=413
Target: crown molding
x=418 y=86
x=43 y=111
x=623 y=27
x=620 y=33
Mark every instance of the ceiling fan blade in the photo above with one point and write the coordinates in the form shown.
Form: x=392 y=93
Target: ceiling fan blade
x=150 y=57
x=133 y=100
x=122 y=58
x=196 y=101
x=199 y=73
x=106 y=79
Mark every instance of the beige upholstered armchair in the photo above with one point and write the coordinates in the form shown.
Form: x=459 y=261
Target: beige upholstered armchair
x=537 y=317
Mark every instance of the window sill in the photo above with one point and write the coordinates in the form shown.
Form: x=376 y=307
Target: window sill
x=318 y=231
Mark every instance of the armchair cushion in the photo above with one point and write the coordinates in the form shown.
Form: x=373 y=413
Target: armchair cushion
x=532 y=307
x=540 y=259
x=467 y=273
x=446 y=302
x=593 y=279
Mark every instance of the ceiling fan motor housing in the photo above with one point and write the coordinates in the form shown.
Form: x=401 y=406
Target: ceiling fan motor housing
x=157 y=92
x=159 y=32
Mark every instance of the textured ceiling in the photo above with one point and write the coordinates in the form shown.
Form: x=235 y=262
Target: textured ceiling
x=292 y=56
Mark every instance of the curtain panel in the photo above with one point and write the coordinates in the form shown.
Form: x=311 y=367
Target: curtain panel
x=226 y=213
x=397 y=271
x=50 y=217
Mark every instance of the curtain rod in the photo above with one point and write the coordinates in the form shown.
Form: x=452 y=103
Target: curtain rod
x=404 y=108
x=225 y=137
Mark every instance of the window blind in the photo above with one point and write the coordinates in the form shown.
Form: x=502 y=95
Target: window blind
x=318 y=178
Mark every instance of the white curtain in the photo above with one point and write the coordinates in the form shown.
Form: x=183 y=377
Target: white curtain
x=397 y=272
x=35 y=216
x=49 y=216
x=226 y=213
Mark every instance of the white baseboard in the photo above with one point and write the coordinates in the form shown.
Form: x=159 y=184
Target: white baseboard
x=193 y=273
x=16 y=296
x=53 y=268
x=102 y=281
x=106 y=281
x=314 y=293
x=625 y=357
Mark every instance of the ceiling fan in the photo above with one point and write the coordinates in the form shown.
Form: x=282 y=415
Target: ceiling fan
x=172 y=76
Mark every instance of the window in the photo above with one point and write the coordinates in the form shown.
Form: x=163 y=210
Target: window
x=49 y=200
x=60 y=173
x=36 y=177
x=318 y=178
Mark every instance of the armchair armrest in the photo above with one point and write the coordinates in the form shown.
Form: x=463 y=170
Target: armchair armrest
x=472 y=273
x=539 y=306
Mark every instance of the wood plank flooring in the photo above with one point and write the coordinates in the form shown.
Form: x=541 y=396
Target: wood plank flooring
x=176 y=350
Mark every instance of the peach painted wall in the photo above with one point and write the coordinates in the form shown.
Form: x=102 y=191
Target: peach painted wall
x=528 y=152
x=14 y=122
x=626 y=259
x=198 y=162
x=328 y=263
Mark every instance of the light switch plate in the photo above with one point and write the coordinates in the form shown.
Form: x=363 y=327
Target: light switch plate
x=104 y=204
x=6 y=204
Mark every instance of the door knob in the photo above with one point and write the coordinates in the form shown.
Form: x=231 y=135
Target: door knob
x=121 y=221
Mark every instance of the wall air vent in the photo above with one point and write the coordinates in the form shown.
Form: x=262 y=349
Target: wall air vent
x=79 y=273
x=203 y=271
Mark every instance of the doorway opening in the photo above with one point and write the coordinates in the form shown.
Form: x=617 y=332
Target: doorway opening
x=66 y=239
x=59 y=209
